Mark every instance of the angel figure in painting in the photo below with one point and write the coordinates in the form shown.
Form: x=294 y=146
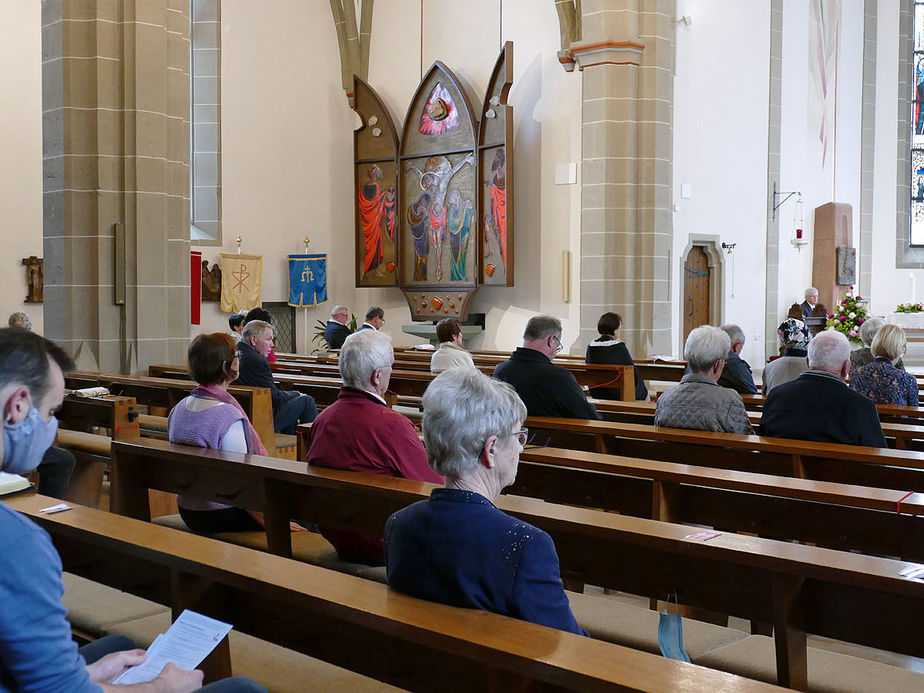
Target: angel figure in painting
x=459 y=223
x=376 y=210
x=434 y=180
x=496 y=219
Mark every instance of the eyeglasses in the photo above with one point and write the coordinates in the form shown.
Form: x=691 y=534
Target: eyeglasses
x=522 y=436
x=559 y=347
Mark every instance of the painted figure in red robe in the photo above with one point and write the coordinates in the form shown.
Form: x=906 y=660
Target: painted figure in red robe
x=497 y=188
x=376 y=210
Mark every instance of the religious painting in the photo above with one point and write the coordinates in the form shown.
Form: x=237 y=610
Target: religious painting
x=917 y=116
x=495 y=147
x=917 y=197
x=438 y=186
x=375 y=148
x=824 y=33
x=440 y=214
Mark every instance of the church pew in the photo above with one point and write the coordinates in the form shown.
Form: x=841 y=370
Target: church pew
x=167 y=392
x=852 y=464
x=833 y=515
x=355 y=623
x=408 y=382
x=891 y=413
x=797 y=588
x=902 y=436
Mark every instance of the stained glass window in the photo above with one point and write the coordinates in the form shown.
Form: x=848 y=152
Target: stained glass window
x=917 y=132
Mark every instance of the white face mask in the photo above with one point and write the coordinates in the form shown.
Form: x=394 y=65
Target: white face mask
x=25 y=443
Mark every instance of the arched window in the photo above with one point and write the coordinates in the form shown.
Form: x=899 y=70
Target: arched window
x=205 y=122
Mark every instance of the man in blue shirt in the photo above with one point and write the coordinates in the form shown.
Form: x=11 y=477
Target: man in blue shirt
x=37 y=653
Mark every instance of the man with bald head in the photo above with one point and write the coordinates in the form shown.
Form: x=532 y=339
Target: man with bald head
x=818 y=405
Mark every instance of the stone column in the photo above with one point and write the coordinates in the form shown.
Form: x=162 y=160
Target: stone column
x=116 y=180
x=626 y=54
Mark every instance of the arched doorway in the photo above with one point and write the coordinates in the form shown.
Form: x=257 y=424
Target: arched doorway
x=697 y=282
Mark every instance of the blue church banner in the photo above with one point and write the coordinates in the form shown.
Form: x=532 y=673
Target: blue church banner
x=307 y=280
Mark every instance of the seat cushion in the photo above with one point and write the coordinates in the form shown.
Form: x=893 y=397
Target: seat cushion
x=636 y=627
x=94 y=609
x=279 y=669
x=828 y=672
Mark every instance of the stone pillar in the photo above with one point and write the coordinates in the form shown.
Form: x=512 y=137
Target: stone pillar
x=116 y=180
x=626 y=54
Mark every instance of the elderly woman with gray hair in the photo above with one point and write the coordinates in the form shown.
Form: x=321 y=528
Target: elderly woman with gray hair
x=699 y=403
x=456 y=547
x=860 y=357
x=881 y=380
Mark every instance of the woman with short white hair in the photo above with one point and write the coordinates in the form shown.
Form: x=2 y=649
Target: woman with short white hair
x=860 y=357
x=456 y=547
x=880 y=380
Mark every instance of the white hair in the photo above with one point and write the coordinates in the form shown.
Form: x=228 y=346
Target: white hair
x=869 y=329
x=735 y=333
x=705 y=345
x=828 y=350
x=462 y=408
x=890 y=342
x=337 y=309
x=811 y=290
x=363 y=353
x=254 y=328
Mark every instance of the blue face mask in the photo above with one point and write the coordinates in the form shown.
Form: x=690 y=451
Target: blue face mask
x=26 y=442
x=670 y=636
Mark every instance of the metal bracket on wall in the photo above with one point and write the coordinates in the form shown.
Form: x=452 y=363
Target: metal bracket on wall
x=776 y=196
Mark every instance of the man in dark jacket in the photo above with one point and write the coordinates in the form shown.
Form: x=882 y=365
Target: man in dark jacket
x=546 y=389
x=737 y=372
x=289 y=408
x=811 y=299
x=818 y=405
x=336 y=331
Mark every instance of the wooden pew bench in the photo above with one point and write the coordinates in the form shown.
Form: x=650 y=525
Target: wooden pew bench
x=165 y=393
x=796 y=588
x=852 y=464
x=350 y=622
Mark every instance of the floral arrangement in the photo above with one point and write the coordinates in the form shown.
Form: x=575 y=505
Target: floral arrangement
x=847 y=317
x=909 y=308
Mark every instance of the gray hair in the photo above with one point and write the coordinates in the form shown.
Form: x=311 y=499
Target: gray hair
x=735 y=333
x=869 y=329
x=828 y=350
x=19 y=319
x=705 y=345
x=889 y=343
x=462 y=408
x=337 y=309
x=374 y=312
x=254 y=328
x=542 y=326
x=362 y=354
x=811 y=290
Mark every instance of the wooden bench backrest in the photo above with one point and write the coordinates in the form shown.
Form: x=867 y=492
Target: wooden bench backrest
x=351 y=622
x=753 y=578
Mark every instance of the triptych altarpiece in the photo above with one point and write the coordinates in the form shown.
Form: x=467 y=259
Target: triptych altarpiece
x=433 y=216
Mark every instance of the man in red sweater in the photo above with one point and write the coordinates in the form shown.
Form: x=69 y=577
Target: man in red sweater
x=360 y=433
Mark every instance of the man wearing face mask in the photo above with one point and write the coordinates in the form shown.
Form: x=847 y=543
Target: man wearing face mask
x=36 y=649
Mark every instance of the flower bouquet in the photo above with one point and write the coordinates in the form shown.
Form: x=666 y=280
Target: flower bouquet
x=909 y=308
x=849 y=313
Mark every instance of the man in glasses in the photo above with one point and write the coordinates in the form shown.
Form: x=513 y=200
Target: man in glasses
x=546 y=389
x=337 y=331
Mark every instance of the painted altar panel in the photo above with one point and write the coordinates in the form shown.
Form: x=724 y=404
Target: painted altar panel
x=375 y=151
x=495 y=152
x=438 y=188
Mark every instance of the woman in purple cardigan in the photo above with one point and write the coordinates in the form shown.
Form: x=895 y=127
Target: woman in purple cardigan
x=211 y=418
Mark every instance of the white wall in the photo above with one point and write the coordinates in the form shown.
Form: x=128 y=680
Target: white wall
x=837 y=177
x=721 y=103
x=287 y=145
x=20 y=153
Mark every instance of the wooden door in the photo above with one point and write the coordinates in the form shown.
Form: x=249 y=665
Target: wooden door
x=696 y=279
